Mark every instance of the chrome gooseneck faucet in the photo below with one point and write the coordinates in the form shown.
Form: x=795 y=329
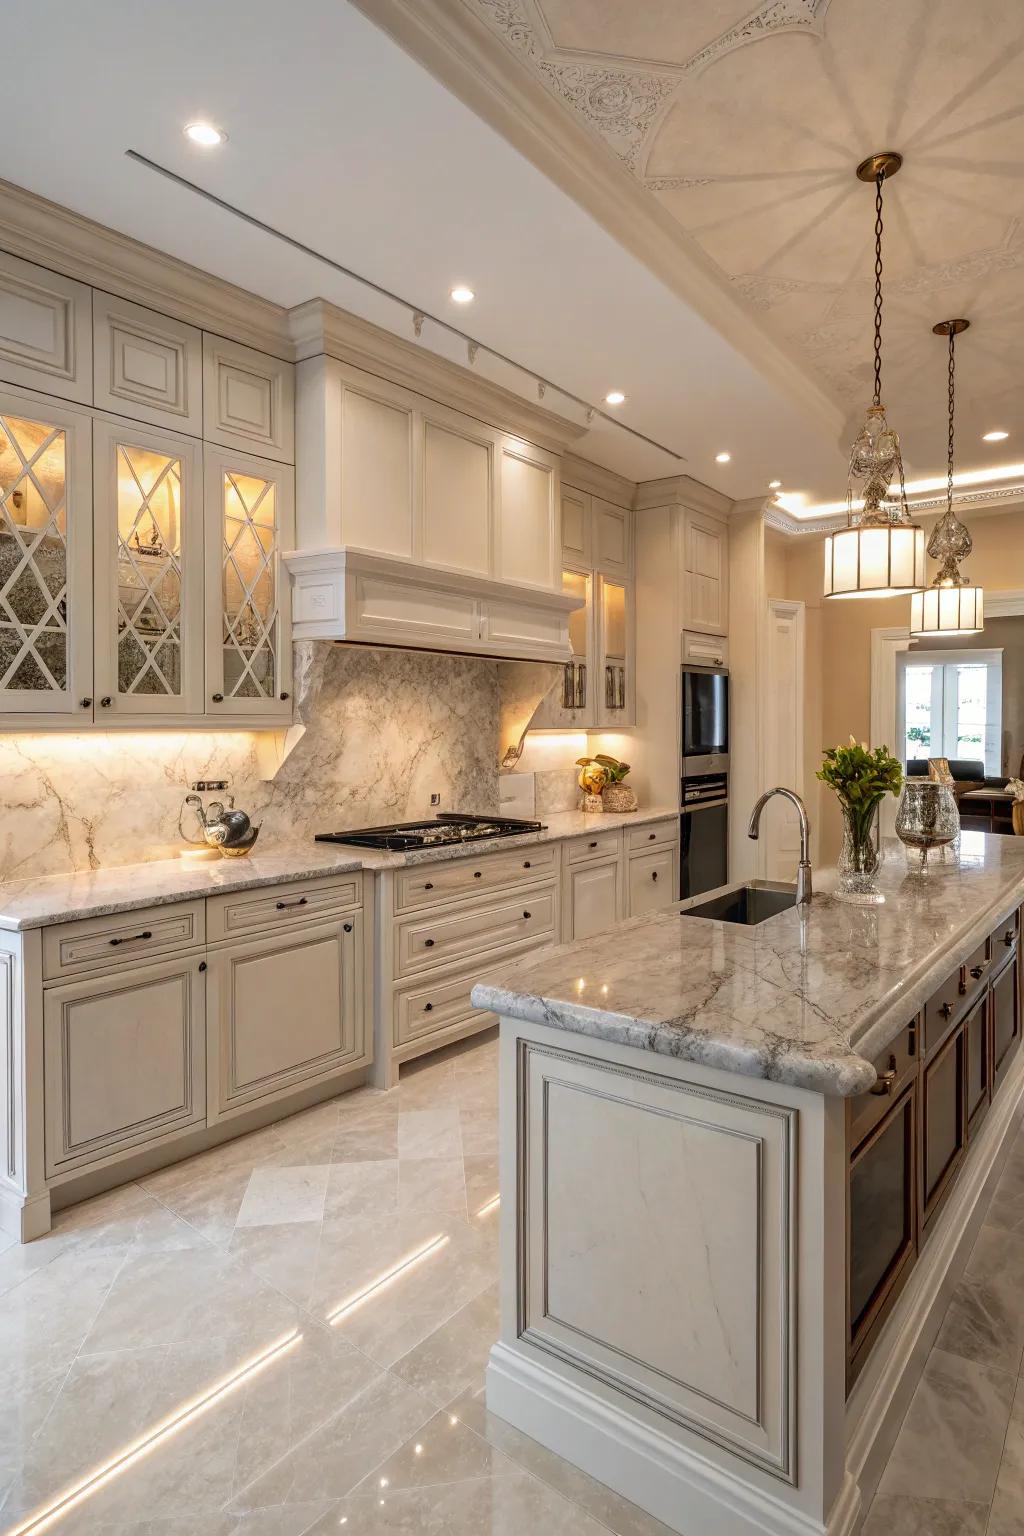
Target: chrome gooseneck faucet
x=803 y=871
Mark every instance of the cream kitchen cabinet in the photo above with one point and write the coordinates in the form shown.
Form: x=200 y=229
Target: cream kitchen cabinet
x=146 y=365
x=148 y=564
x=248 y=399
x=591 y=897
x=124 y=1060
x=615 y=701
x=249 y=523
x=46 y=659
x=45 y=330
x=612 y=538
x=652 y=867
x=705 y=573
x=570 y=704
x=284 y=1010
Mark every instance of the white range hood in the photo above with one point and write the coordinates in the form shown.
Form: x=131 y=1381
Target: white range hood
x=420 y=522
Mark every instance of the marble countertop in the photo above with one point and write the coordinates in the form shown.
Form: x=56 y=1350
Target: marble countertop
x=48 y=899
x=805 y=998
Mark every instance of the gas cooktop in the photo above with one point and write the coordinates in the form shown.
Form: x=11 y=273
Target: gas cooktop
x=449 y=828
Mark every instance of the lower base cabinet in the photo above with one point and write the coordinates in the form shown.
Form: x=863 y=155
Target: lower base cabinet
x=1006 y=1005
x=124 y=1061
x=652 y=880
x=943 y=1118
x=881 y=1224
x=284 y=1010
x=979 y=1058
x=592 y=899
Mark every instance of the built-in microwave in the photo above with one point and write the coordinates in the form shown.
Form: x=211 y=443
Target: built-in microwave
x=705 y=720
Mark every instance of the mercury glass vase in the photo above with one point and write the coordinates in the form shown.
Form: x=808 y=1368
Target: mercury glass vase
x=927 y=817
x=860 y=857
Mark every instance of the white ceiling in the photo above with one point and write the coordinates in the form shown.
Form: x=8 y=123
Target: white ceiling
x=340 y=139
x=745 y=125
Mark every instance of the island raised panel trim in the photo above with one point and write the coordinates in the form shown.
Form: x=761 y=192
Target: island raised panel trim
x=759 y=1424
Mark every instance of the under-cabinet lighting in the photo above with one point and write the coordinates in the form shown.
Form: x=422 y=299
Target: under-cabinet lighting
x=187 y=1414
x=205 y=134
x=348 y=1307
x=615 y=397
x=461 y=294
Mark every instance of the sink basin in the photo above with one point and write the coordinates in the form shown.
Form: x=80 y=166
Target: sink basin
x=747 y=904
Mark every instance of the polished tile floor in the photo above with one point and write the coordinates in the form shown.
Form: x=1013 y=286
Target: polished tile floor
x=289 y=1334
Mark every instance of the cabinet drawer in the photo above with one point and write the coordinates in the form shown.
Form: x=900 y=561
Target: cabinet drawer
x=426 y=941
x=278 y=906
x=651 y=884
x=945 y=1004
x=599 y=845
x=99 y=943
x=428 y=884
x=660 y=834
x=123 y=1061
x=1002 y=940
x=704 y=650
x=895 y=1066
x=431 y=1007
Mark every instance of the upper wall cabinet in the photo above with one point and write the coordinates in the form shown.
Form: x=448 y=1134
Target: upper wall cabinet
x=147 y=366
x=705 y=573
x=45 y=330
x=612 y=536
x=527 y=535
x=248 y=399
x=45 y=560
x=575 y=527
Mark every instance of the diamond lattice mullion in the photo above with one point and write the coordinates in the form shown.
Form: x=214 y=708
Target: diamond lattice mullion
x=27 y=464
x=29 y=548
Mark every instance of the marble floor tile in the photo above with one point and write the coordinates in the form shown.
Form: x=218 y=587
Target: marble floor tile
x=432 y=1184
x=452 y=1359
x=951 y=1440
x=429 y=1132
x=1007 y=1515
x=365 y=1188
x=900 y=1515
x=371 y=1135
x=277 y=1196
x=481 y=1186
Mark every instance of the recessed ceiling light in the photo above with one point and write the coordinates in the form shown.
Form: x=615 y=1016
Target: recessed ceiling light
x=614 y=397
x=775 y=485
x=460 y=294
x=994 y=437
x=722 y=458
x=205 y=134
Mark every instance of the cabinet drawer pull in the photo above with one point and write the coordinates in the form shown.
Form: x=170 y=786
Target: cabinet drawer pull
x=84 y=703
x=592 y=845
x=218 y=698
x=106 y=701
x=282 y=906
x=963 y=982
x=651 y=836
x=526 y=864
x=285 y=697
x=886 y=1080
x=946 y=1010
x=428 y=1007
x=1008 y=938
x=581 y=686
x=428 y=943
x=428 y=885
x=527 y=914
x=977 y=971
x=347 y=927
x=654 y=874
x=202 y=965
x=133 y=938
x=478 y=874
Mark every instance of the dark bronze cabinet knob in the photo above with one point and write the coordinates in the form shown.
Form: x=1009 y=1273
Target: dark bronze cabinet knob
x=285 y=697
x=527 y=914
x=429 y=886
x=526 y=864
x=478 y=874
x=218 y=698
x=593 y=845
x=654 y=874
x=85 y=703
x=428 y=1007
x=1008 y=937
x=946 y=1010
x=202 y=965
x=106 y=701
x=428 y=943
x=977 y=971
x=347 y=927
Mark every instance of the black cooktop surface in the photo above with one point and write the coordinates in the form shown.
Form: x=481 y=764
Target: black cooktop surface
x=448 y=828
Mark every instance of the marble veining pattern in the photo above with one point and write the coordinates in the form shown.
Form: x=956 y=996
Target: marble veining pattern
x=803 y=998
x=140 y=1299
x=37 y=902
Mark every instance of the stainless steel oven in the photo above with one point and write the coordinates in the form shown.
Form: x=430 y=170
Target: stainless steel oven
x=705 y=720
x=704 y=834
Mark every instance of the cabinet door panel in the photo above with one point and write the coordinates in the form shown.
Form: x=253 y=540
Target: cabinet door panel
x=149 y=572
x=1005 y=1020
x=944 y=1118
x=45 y=330
x=45 y=558
x=124 y=1060
x=457 y=499
x=377 y=498
x=248 y=399
x=652 y=881
x=706 y=574
x=576 y=524
x=147 y=365
x=612 y=534
x=285 y=1010
x=570 y=700
x=594 y=899
x=249 y=521
x=527 y=516
x=979 y=1057
x=615 y=690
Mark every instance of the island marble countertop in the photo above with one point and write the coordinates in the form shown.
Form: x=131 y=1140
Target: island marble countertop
x=46 y=899
x=805 y=998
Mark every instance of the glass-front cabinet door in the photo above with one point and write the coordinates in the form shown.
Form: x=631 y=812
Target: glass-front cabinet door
x=615 y=703
x=249 y=524
x=45 y=559
x=149 y=573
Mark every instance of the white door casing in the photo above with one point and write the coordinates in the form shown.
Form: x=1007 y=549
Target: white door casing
x=783 y=735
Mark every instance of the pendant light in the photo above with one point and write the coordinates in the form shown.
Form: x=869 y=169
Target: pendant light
x=951 y=605
x=881 y=552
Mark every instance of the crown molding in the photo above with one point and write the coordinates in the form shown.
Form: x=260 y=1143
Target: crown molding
x=598 y=481
x=980 y=502
x=460 y=50
x=682 y=491
x=37 y=230
x=317 y=328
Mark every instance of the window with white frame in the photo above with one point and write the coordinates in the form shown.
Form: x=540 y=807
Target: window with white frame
x=950 y=704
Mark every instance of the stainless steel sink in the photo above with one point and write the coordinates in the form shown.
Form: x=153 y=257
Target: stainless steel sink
x=747 y=904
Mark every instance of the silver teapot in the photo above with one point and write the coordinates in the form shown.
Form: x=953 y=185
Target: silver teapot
x=223 y=827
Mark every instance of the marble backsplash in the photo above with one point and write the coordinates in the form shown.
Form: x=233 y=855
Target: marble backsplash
x=384 y=729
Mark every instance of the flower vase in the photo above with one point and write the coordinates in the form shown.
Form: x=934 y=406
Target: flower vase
x=860 y=858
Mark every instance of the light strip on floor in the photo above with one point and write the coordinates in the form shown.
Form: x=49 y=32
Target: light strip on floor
x=348 y=1307
x=187 y=1414
x=492 y=1205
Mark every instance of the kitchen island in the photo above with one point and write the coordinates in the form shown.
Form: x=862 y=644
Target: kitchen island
x=741 y=1169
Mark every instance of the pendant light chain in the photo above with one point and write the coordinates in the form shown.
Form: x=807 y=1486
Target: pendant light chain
x=949 y=446
x=879 y=179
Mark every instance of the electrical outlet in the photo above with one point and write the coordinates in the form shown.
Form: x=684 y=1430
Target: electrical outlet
x=204 y=786
x=435 y=799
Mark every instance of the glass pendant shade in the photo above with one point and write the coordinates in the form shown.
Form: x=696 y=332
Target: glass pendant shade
x=874 y=560
x=947 y=611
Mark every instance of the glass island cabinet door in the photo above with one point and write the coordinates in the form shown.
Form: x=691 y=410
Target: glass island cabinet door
x=149 y=573
x=45 y=560
x=249 y=524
